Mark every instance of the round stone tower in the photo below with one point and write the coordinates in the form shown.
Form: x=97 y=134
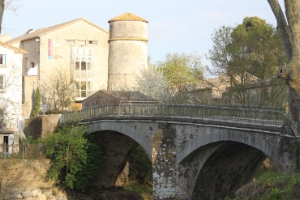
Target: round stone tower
x=128 y=41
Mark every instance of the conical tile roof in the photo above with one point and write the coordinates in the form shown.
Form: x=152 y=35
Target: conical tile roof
x=127 y=17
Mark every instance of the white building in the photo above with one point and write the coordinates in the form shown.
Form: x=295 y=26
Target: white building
x=10 y=95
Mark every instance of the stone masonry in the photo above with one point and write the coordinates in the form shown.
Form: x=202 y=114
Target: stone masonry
x=201 y=159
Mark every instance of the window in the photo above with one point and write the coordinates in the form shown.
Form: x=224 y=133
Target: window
x=2 y=82
x=32 y=64
x=92 y=42
x=2 y=59
x=71 y=41
x=83 y=89
x=81 y=66
x=80 y=42
x=5 y=142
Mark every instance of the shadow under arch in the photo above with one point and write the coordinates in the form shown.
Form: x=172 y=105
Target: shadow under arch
x=228 y=168
x=227 y=135
x=119 y=141
x=231 y=160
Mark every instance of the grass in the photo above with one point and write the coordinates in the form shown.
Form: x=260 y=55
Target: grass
x=145 y=190
x=271 y=185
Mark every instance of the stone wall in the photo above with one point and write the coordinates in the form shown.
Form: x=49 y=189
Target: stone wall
x=26 y=179
x=127 y=38
x=41 y=126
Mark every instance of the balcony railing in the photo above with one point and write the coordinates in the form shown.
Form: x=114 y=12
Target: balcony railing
x=243 y=114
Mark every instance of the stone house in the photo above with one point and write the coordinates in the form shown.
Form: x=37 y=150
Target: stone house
x=222 y=90
x=78 y=49
x=106 y=97
x=91 y=57
x=10 y=95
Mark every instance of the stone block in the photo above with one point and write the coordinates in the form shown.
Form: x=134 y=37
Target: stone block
x=41 y=197
x=26 y=194
x=51 y=197
x=36 y=192
x=17 y=196
x=48 y=192
x=30 y=198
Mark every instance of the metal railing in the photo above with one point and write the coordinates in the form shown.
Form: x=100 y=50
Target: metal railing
x=243 y=114
x=26 y=151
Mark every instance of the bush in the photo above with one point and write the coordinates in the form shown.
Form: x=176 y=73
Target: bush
x=76 y=158
x=37 y=103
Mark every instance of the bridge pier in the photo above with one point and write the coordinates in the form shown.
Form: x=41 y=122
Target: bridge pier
x=164 y=163
x=194 y=154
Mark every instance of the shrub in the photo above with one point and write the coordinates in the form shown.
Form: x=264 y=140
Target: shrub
x=76 y=158
x=37 y=105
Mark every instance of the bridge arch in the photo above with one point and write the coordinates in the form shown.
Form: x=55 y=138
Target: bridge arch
x=246 y=137
x=119 y=139
x=232 y=158
x=121 y=127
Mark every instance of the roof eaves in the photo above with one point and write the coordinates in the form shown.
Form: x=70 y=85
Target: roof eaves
x=15 y=49
x=50 y=30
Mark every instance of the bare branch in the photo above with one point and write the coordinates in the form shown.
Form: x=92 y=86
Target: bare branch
x=12 y=5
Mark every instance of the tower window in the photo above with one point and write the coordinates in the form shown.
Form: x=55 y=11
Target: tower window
x=93 y=42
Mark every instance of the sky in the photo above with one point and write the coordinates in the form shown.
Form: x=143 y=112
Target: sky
x=181 y=26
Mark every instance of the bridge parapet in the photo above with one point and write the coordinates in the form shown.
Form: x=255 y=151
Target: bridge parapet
x=241 y=114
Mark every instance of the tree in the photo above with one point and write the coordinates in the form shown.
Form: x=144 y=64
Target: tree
x=37 y=103
x=172 y=80
x=288 y=27
x=249 y=55
x=77 y=159
x=151 y=81
x=58 y=90
x=10 y=96
x=181 y=68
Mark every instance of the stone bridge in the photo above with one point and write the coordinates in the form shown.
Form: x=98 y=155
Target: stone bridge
x=197 y=152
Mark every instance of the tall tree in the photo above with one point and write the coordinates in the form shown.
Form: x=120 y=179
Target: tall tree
x=288 y=26
x=37 y=103
x=1 y=13
x=248 y=55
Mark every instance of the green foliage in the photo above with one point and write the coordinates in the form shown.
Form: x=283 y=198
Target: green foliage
x=249 y=56
x=182 y=68
x=139 y=188
x=140 y=166
x=76 y=158
x=37 y=103
x=275 y=194
x=271 y=185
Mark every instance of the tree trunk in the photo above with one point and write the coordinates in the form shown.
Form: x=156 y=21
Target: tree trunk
x=1 y=13
x=290 y=34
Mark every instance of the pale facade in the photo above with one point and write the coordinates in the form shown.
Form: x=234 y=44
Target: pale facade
x=128 y=44
x=10 y=95
x=93 y=58
x=78 y=49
